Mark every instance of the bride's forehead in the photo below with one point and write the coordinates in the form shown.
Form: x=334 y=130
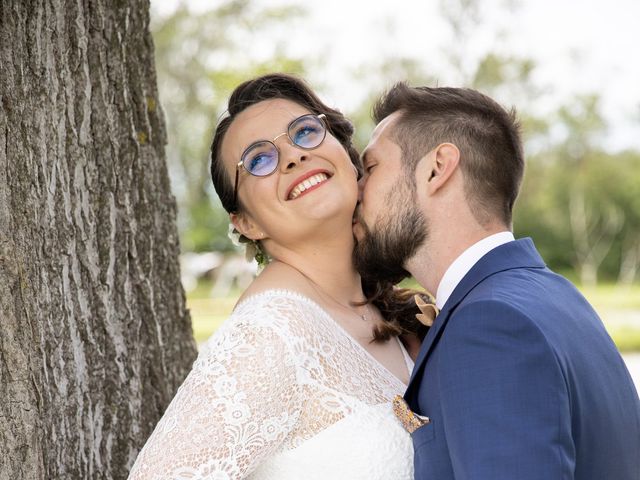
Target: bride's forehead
x=262 y=121
x=268 y=115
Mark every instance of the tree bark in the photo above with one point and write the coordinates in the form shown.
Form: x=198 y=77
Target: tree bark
x=94 y=334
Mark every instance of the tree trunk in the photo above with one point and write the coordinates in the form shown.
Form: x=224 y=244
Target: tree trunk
x=593 y=234
x=94 y=334
x=630 y=260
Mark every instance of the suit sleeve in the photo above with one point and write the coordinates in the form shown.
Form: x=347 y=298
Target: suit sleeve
x=504 y=397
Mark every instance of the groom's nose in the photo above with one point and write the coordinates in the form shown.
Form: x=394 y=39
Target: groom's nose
x=360 y=189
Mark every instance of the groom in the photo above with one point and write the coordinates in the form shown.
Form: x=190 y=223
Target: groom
x=517 y=375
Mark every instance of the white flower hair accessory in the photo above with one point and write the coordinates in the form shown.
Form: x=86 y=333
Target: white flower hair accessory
x=253 y=249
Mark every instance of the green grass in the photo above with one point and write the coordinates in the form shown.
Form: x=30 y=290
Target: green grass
x=614 y=304
x=627 y=339
x=611 y=296
x=619 y=308
x=207 y=314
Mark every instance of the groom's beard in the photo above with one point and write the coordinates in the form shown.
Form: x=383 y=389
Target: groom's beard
x=384 y=249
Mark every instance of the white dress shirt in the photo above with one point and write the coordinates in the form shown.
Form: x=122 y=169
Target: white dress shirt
x=461 y=265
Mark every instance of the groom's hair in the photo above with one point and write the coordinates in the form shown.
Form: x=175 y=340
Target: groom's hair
x=488 y=137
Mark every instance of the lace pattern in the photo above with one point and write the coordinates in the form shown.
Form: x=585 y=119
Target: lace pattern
x=276 y=375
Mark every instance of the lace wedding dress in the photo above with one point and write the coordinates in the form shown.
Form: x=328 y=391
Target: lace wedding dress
x=281 y=391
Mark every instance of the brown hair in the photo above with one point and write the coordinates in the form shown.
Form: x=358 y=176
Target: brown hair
x=488 y=137
x=396 y=305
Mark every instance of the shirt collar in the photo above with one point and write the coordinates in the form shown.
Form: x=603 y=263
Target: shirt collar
x=461 y=265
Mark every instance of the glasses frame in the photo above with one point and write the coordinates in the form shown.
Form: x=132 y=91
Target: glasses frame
x=240 y=165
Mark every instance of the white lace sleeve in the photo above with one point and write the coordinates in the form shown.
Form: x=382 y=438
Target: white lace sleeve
x=235 y=408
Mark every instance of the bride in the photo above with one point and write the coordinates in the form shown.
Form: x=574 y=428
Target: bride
x=298 y=382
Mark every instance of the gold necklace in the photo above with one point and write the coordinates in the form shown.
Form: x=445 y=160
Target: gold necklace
x=321 y=291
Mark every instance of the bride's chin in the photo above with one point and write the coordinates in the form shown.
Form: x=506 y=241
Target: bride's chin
x=331 y=209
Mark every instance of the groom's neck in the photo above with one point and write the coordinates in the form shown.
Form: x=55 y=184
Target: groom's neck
x=442 y=247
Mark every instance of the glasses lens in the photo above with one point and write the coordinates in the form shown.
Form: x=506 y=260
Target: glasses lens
x=307 y=131
x=260 y=159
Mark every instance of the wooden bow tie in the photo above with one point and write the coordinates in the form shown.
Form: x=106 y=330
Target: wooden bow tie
x=429 y=311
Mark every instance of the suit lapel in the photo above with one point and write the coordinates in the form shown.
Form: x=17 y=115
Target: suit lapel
x=517 y=254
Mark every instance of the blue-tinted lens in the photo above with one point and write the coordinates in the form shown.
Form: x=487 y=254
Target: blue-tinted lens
x=260 y=159
x=307 y=131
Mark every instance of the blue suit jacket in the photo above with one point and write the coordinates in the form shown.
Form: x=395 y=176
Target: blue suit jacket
x=521 y=381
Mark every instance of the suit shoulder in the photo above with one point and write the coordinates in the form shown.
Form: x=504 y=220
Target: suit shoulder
x=495 y=319
x=493 y=330
x=495 y=308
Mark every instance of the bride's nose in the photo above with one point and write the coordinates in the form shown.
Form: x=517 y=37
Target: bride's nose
x=291 y=156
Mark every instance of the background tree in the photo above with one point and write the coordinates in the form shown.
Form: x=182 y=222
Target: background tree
x=625 y=190
x=579 y=200
x=95 y=337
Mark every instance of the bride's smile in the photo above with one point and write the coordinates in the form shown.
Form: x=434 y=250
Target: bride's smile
x=307 y=183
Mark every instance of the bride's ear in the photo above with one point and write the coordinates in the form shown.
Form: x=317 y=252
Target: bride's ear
x=246 y=226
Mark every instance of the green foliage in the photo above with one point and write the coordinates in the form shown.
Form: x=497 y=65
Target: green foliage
x=205 y=226
x=579 y=202
x=494 y=70
x=200 y=58
x=539 y=214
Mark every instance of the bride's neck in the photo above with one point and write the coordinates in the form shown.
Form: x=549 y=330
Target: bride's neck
x=328 y=265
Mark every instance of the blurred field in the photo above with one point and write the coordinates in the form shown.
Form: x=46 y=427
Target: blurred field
x=619 y=308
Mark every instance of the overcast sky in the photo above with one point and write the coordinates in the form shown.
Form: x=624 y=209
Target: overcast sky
x=578 y=46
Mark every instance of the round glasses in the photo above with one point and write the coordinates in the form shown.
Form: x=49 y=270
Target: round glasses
x=261 y=158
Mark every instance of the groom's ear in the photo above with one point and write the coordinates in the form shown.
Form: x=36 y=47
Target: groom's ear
x=444 y=159
x=246 y=226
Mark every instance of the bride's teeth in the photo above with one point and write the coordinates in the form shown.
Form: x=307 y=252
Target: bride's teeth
x=308 y=183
